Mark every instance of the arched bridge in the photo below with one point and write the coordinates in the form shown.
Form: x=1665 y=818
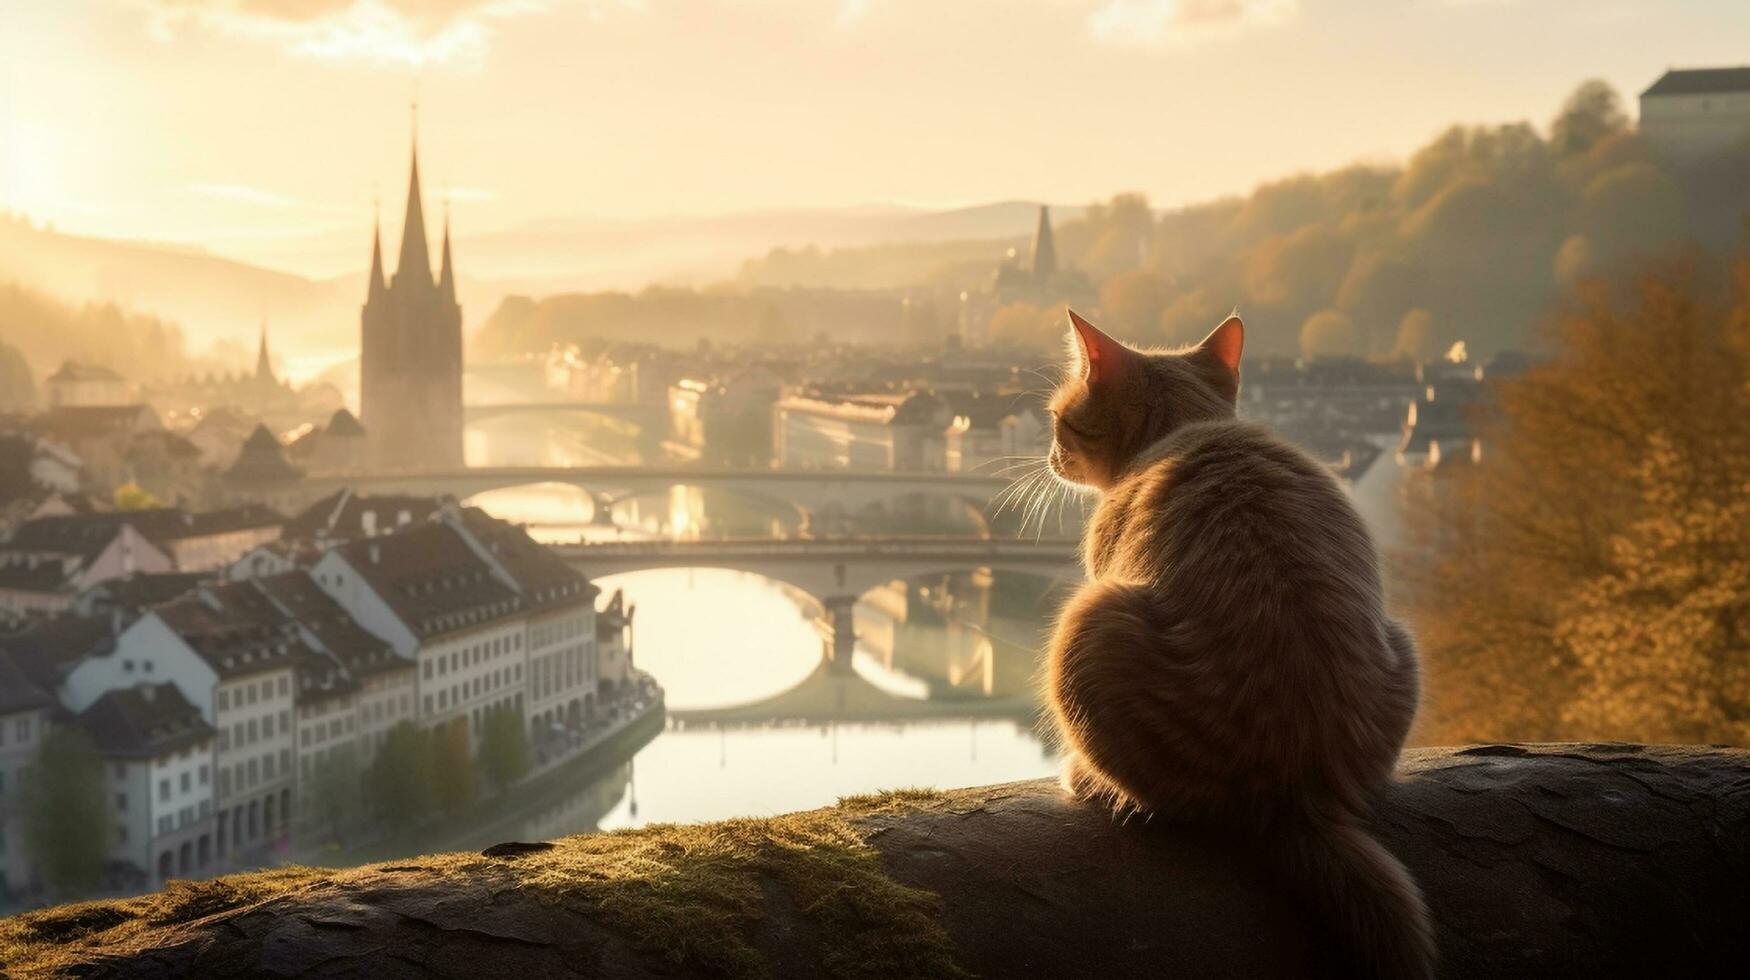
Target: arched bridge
x=826 y=568
x=809 y=492
x=835 y=571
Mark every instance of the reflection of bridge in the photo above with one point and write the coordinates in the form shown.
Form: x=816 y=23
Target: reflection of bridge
x=807 y=492
x=835 y=571
x=832 y=695
x=651 y=419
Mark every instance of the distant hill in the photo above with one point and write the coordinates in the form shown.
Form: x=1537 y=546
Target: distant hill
x=217 y=300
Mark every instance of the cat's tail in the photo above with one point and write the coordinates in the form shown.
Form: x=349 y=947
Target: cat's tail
x=1366 y=896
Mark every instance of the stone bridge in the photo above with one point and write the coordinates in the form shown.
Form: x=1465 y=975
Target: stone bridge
x=834 y=571
x=807 y=492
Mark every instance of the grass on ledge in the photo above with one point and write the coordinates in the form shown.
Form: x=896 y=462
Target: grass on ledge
x=694 y=896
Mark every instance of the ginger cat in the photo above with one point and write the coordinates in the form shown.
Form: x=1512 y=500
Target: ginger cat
x=1229 y=662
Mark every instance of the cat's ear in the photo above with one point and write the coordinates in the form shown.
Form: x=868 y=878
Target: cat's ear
x=1224 y=343
x=1222 y=348
x=1102 y=357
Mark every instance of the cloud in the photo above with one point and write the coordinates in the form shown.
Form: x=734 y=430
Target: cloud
x=408 y=32
x=242 y=193
x=1152 y=22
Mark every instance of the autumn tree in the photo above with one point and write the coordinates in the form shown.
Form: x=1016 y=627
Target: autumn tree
x=455 y=775
x=1589 y=576
x=1329 y=333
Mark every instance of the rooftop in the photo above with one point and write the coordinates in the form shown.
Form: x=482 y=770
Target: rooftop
x=144 y=722
x=1700 y=81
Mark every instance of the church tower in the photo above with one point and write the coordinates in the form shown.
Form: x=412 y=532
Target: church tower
x=410 y=351
x=1044 y=251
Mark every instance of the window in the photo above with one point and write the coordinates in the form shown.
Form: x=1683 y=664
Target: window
x=286 y=759
x=23 y=730
x=267 y=726
x=224 y=699
x=187 y=781
x=254 y=731
x=121 y=834
x=285 y=721
x=267 y=767
x=163 y=789
x=205 y=775
x=304 y=738
x=285 y=686
x=250 y=692
x=426 y=670
x=428 y=704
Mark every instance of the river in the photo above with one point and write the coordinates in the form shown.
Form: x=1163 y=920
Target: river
x=963 y=643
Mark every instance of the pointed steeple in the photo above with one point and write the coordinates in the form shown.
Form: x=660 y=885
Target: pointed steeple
x=1044 y=250
x=415 y=258
x=446 y=278
x=377 y=285
x=263 y=365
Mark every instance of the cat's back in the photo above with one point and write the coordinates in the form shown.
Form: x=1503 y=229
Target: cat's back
x=1231 y=503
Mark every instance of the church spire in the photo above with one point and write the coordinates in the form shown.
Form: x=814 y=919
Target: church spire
x=377 y=285
x=446 y=278
x=415 y=259
x=263 y=365
x=1044 y=250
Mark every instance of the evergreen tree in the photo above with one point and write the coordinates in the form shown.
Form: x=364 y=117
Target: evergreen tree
x=400 y=788
x=67 y=812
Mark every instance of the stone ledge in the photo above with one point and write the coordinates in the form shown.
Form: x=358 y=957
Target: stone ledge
x=1560 y=860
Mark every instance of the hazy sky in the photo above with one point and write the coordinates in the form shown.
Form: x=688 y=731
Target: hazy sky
x=231 y=123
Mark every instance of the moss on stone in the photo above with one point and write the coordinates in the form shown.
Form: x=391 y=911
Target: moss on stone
x=47 y=941
x=698 y=897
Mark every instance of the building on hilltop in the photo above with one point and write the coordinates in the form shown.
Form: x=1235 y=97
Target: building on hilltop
x=79 y=384
x=1693 y=113
x=410 y=351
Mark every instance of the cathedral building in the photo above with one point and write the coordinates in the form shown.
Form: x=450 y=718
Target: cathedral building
x=410 y=352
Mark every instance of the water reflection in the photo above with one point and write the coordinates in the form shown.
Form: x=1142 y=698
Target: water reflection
x=721 y=640
x=942 y=692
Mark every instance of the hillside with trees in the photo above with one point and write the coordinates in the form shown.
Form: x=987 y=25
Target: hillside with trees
x=1473 y=238
x=1592 y=578
x=39 y=331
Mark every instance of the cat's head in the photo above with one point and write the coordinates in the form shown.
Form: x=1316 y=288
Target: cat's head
x=1116 y=400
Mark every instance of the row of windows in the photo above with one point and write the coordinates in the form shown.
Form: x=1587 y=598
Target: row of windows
x=472 y=655
x=254 y=730
x=186 y=783
x=245 y=776
x=170 y=822
x=248 y=693
x=544 y=634
x=456 y=694
x=20 y=731
x=319 y=733
x=559 y=671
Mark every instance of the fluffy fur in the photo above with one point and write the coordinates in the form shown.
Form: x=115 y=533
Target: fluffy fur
x=1229 y=662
